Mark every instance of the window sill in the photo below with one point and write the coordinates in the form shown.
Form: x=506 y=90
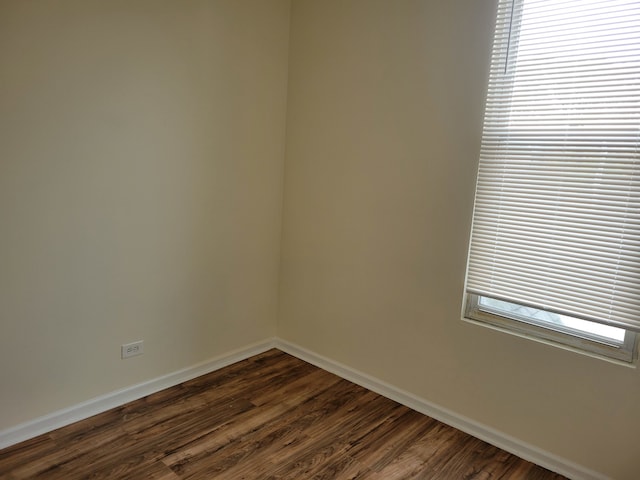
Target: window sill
x=552 y=338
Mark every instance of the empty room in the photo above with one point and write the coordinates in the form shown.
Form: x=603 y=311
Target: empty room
x=319 y=239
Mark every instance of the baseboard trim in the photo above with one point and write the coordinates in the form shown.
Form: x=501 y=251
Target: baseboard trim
x=80 y=411
x=510 y=444
x=100 y=404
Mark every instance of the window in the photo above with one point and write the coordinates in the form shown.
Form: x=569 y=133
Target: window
x=555 y=241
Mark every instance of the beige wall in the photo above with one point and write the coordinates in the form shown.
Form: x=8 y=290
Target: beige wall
x=141 y=167
x=141 y=155
x=383 y=129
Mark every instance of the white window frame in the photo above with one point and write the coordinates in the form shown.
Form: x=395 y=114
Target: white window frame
x=548 y=333
x=625 y=351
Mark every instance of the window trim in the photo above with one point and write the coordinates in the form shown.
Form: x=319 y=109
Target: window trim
x=625 y=354
x=563 y=291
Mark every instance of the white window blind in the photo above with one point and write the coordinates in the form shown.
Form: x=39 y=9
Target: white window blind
x=557 y=211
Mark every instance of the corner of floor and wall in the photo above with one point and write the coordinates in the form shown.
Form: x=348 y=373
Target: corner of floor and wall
x=217 y=178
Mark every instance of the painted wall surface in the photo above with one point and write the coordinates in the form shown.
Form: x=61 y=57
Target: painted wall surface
x=383 y=133
x=141 y=157
x=142 y=146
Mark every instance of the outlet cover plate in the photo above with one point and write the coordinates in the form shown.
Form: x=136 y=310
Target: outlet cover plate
x=132 y=349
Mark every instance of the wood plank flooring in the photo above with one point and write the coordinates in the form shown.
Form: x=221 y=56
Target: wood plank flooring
x=269 y=417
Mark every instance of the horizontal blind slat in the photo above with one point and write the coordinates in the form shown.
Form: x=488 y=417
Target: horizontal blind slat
x=557 y=211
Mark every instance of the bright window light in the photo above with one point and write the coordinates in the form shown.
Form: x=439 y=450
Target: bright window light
x=553 y=320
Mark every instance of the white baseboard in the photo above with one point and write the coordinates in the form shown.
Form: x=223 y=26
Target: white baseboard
x=510 y=444
x=117 y=398
x=100 y=404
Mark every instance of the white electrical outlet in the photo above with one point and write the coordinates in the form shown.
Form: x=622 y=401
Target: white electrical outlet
x=132 y=349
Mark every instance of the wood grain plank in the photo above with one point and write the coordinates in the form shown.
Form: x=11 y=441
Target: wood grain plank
x=396 y=433
x=270 y=417
x=26 y=453
x=279 y=435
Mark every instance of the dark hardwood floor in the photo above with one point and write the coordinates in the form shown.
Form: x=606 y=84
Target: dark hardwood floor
x=269 y=417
